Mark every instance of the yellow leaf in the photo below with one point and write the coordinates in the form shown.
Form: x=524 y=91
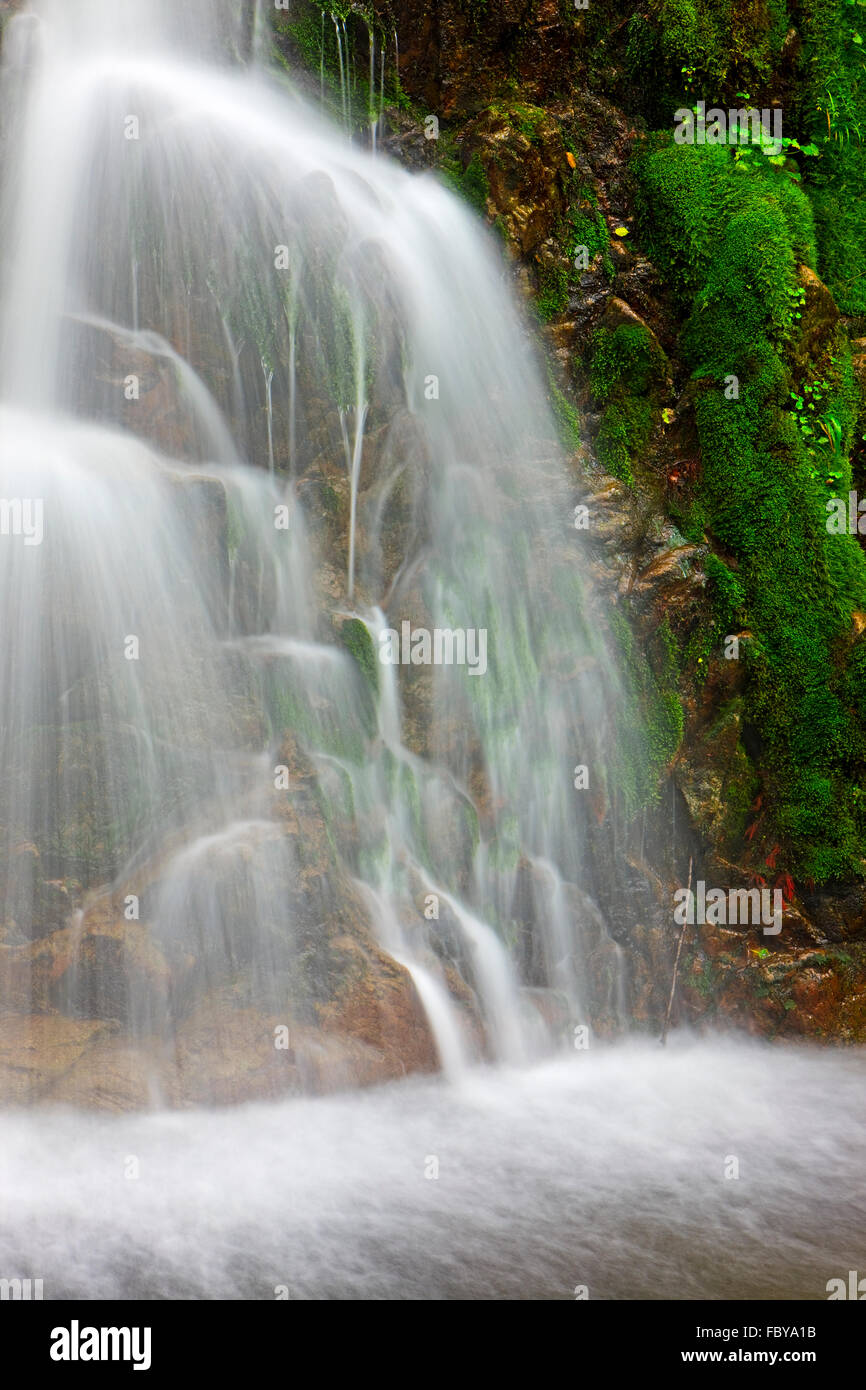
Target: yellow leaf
x=571 y=159
x=620 y=231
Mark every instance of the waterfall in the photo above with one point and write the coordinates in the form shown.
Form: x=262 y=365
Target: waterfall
x=301 y=659
x=317 y=763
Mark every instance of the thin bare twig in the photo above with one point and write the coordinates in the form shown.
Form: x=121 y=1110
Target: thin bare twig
x=677 y=961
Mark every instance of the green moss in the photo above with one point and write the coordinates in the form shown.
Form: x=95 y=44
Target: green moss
x=694 y=48
x=741 y=788
x=567 y=417
x=704 y=976
x=356 y=638
x=552 y=294
x=583 y=226
x=470 y=183
x=730 y=244
x=693 y=37
x=529 y=120
x=623 y=435
x=627 y=359
x=653 y=724
x=289 y=708
x=727 y=595
x=719 y=234
x=588 y=228
x=626 y=365
x=475 y=185
x=831 y=111
x=409 y=797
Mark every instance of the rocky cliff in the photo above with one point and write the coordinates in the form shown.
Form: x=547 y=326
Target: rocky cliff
x=702 y=308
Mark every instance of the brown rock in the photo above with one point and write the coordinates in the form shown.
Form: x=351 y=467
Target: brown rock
x=820 y=318
x=381 y=1009
x=37 y=1050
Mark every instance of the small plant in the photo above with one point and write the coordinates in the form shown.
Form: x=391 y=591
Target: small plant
x=755 y=155
x=813 y=393
x=820 y=433
x=823 y=433
x=797 y=297
x=843 y=123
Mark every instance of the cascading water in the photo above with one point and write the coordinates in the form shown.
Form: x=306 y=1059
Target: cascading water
x=271 y=400
x=266 y=413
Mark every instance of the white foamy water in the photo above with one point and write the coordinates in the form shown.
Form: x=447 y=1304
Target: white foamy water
x=605 y=1169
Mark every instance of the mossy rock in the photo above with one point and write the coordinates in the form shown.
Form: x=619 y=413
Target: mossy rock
x=628 y=372
x=732 y=245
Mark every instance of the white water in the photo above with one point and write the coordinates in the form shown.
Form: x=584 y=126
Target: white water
x=606 y=1171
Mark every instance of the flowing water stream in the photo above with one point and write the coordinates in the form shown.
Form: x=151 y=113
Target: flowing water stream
x=221 y=319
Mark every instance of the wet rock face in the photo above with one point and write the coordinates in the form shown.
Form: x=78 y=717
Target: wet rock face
x=456 y=55
x=99 y=1014
x=35 y=903
x=37 y=1051
x=810 y=980
x=550 y=162
x=101 y=1009
x=735 y=979
x=525 y=169
x=224 y=1054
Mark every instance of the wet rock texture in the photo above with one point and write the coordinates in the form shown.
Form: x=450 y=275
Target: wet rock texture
x=105 y=1013
x=222 y=1047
